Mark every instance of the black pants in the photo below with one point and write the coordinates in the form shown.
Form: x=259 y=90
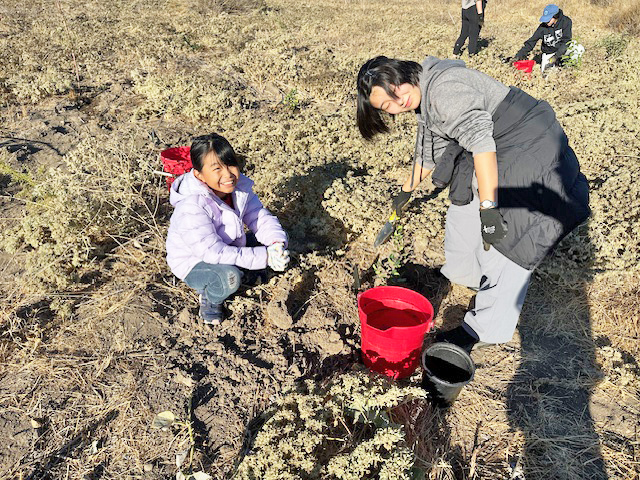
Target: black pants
x=471 y=29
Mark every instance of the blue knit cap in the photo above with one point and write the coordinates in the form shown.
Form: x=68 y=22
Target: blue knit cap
x=549 y=12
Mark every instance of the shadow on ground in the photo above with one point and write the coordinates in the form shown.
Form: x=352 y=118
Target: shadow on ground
x=309 y=226
x=549 y=396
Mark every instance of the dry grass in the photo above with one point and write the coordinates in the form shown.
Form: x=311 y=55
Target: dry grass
x=98 y=337
x=624 y=18
x=627 y=20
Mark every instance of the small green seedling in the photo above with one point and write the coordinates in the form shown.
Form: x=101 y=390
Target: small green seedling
x=389 y=267
x=614 y=44
x=291 y=99
x=573 y=57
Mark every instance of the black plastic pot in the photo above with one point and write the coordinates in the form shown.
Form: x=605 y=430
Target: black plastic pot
x=447 y=369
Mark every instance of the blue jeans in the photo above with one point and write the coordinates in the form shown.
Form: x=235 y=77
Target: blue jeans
x=215 y=282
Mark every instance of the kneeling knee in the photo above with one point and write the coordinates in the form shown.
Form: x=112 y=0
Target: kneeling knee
x=233 y=278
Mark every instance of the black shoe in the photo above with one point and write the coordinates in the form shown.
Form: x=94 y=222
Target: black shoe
x=458 y=336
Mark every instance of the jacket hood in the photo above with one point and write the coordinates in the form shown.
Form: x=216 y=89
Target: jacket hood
x=432 y=68
x=188 y=185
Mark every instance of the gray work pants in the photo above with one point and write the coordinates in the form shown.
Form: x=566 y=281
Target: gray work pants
x=504 y=283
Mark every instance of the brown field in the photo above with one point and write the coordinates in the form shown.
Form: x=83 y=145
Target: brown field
x=97 y=336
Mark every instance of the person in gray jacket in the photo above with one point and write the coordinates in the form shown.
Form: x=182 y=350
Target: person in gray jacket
x=514 y=182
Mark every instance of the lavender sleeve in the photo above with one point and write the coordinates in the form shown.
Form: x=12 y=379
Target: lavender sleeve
x=263 y=223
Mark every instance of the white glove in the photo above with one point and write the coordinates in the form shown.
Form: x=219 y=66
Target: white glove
x=277 y=257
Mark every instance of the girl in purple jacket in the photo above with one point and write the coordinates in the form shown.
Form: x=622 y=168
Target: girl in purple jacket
x=206 y=242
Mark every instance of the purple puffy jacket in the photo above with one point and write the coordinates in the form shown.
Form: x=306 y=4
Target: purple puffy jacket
x=204 y=228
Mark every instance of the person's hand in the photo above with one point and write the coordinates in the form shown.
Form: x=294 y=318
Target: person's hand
x=481 y=19
x=493 y=226
x=277 y=257
x=400 y=201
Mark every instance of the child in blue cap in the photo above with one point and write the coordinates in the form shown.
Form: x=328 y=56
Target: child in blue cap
x=554 y=31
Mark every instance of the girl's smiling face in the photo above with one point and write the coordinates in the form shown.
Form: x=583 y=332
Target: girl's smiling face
x=220 y=178
x=408 y=98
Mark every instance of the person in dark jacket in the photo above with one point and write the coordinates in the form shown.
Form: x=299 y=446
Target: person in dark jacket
x=554 y=31
x=472 y=22
x=514 y=182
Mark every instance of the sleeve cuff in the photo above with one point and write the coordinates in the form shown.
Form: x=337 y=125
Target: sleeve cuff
x=427 y=164
x=487 y=144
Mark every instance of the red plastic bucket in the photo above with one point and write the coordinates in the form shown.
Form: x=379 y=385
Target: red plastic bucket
x=525 y=65
x=394 y=321
x=177 y=161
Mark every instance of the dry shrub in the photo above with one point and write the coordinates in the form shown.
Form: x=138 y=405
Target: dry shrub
x=626 y=20
x=9 y=167
x=101 y=196
x=39 y=49
x=230 y=6
x=614 y=45
x=196 y=95
x=344 y=430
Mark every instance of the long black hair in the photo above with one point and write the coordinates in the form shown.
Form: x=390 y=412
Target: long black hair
x=381 y=72
x=204 y=144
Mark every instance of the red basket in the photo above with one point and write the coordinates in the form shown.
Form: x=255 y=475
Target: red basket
x=176 y=161
x=525 y=65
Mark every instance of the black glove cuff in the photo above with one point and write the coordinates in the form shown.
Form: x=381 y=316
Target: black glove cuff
x=400 y=200
x=490 y=215
x=493 y=225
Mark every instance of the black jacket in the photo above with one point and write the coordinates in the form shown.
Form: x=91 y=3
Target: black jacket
x=541 y=193
x=455 y=168
x=554 y=39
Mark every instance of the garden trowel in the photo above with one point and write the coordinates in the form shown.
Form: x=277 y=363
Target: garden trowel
x=389 y=227
x=387 y=230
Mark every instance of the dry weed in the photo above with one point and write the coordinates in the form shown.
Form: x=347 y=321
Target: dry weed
x=343 y=430
x=75 y=214
x=627 y=20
